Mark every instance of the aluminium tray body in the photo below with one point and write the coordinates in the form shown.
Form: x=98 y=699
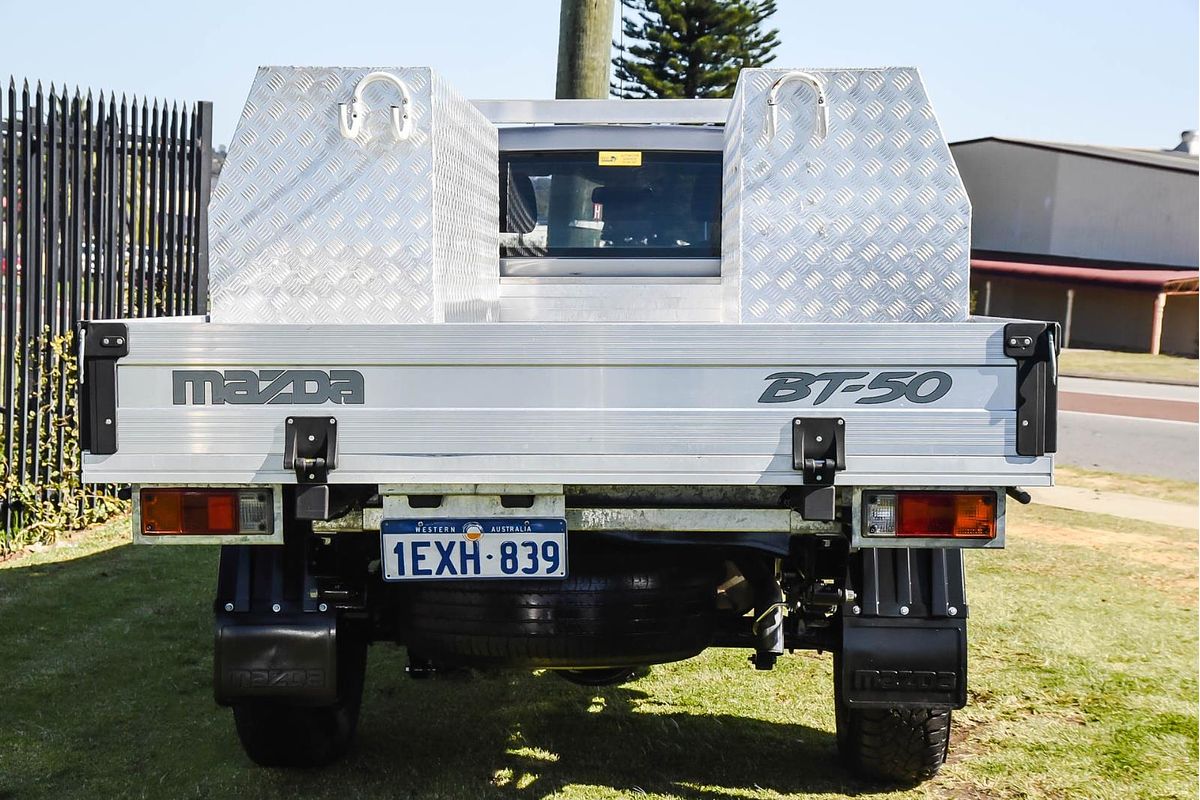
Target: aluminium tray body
x=309 y=226
x=869 y=222
x=568 y=403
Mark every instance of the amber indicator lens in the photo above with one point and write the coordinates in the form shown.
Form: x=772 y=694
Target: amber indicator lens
x=191 y=511
x=955 y=515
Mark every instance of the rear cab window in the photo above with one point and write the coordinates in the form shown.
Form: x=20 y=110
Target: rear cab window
x=610 y=204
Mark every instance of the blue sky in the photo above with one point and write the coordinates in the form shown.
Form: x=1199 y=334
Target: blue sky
x=1101 y=72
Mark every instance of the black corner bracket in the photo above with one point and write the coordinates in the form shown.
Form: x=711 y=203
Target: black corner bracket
x=1035 y=347
x=103 y=344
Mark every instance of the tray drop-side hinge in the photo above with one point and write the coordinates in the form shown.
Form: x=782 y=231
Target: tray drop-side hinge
x=819 y=451
x=310 y=448
x=1035 y=347
x=818 y=448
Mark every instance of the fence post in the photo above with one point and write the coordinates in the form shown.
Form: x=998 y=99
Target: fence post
x=203 y=191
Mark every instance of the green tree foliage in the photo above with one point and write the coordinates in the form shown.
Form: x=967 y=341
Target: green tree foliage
x=690 y=48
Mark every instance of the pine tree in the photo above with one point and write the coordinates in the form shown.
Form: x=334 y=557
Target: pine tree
x=690 y=48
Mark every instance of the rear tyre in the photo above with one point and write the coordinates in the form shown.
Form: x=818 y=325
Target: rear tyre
x=618 y=608
x=278 y=734
x=895 y=745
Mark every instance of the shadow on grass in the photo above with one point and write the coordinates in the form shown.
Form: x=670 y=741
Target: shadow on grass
x=521 y=735
x=136 y=622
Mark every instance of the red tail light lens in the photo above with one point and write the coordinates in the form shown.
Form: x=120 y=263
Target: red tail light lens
x=199 y=511
x=956 y=515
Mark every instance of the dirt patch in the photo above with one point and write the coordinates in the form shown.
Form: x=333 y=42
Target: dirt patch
x=1146 y=547
x=968 y=740
x=967 y=791
x=967 y=743
x=1177 y=556
x=965 y=739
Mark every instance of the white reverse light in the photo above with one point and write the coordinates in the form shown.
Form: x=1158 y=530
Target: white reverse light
x=881 y=515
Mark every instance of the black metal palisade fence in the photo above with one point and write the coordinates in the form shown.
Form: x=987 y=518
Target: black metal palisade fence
x=103 y=214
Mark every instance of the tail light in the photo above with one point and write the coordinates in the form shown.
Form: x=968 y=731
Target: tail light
x=930 y=515
x=205 y=512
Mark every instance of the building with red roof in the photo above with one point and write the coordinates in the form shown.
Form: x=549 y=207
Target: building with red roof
x=1101 y=239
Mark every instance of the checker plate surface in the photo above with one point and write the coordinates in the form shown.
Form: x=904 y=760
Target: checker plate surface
x=870 y=224
x=310 y=227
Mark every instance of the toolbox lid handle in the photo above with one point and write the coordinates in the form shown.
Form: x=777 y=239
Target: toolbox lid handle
x=822 y=105
x=351 y=115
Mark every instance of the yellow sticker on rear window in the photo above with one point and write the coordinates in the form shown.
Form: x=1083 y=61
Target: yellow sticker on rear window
x=620 y=158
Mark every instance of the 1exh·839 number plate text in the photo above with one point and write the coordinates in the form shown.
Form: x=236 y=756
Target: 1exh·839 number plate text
x=456 y=549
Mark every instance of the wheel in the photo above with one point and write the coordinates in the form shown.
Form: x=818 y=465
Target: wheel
x=618 y=608
x=897 y=745
x=277 y=734
x=602 y=676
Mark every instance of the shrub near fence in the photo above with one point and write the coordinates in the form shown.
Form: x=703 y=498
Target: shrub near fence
x=103 y=214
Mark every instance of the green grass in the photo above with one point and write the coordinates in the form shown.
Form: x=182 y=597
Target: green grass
x=1171 y=490
x=1129 y=366
x=1083 y=684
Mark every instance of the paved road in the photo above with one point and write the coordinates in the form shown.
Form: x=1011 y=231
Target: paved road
x=1136 y=428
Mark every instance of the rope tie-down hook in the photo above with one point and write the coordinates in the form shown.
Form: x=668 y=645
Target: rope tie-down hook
x=822 y=105
x=352 y=114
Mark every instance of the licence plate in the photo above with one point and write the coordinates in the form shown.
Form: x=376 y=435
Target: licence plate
x=448 y=549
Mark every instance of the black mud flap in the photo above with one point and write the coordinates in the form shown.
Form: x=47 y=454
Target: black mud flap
x=289 y=657
x=904 y=630
x=919 y=663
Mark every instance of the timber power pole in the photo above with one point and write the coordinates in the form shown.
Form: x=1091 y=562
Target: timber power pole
x=584 y=48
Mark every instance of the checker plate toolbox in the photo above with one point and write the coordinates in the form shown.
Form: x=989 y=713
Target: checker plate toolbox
x=355 y=272
x=389 y=224
x=841 y=201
